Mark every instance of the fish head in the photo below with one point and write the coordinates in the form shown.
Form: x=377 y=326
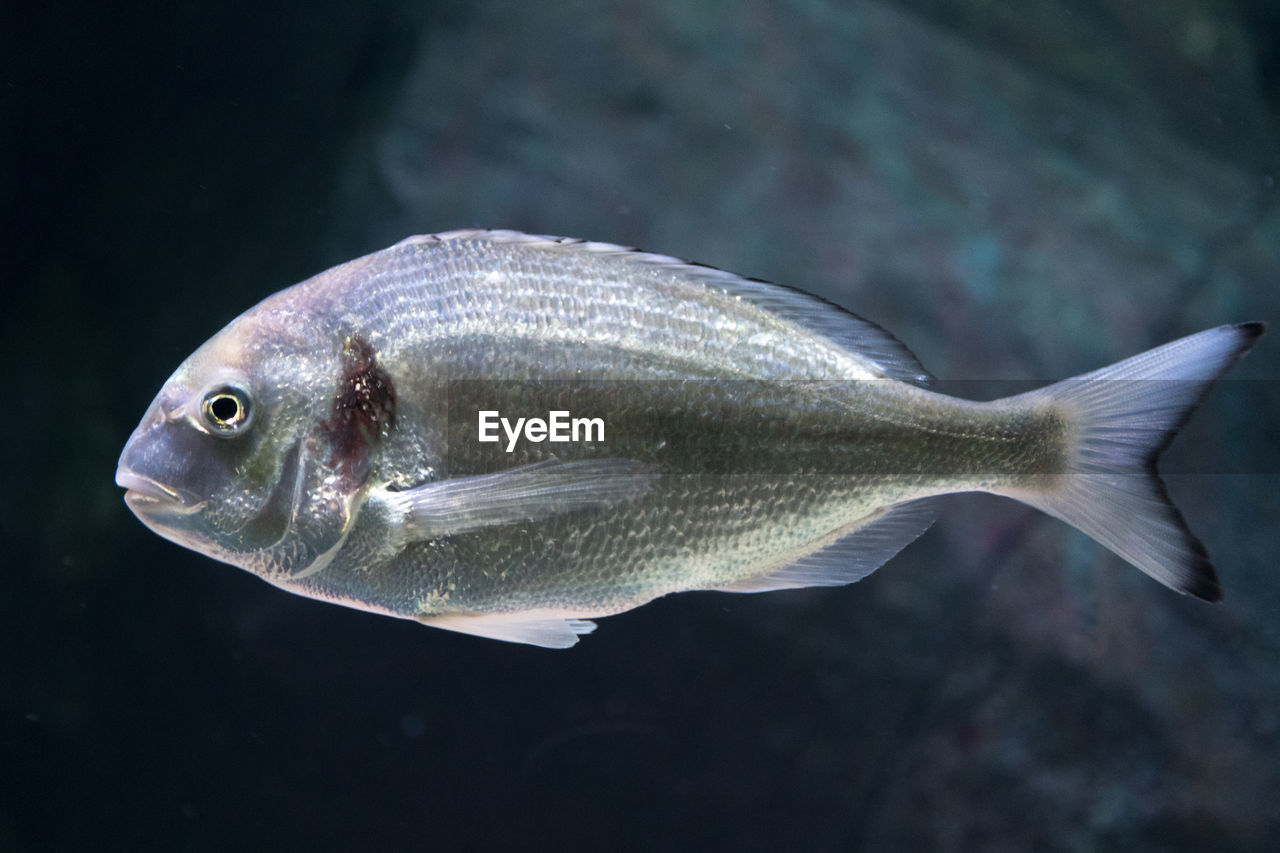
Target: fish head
x=230 y=459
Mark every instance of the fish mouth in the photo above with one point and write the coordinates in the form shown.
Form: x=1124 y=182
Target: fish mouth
x=147 y=495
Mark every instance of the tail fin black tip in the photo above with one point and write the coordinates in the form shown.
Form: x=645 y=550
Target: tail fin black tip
x=1254 y=329
x=1204 y=582
x=1199 y=577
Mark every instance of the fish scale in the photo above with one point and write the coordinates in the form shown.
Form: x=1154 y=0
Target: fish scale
x=454 y=290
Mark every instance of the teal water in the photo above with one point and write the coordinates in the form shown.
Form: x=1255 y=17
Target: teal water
x=1018 y=191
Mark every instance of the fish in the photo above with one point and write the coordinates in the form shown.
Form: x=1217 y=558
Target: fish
x=340 y=439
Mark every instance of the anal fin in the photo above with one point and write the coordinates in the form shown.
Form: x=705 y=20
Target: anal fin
x=870 y=543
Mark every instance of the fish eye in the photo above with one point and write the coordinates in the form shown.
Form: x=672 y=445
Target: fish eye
x=226 y=410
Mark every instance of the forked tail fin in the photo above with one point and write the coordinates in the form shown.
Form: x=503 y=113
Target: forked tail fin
x=1122 y=417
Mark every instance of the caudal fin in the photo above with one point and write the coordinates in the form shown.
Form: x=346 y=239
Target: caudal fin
x=1122 y=417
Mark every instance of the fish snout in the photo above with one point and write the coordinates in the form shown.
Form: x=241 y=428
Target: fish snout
x=149 y=470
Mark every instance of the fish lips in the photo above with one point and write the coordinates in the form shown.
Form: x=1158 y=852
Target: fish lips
x=145 y=496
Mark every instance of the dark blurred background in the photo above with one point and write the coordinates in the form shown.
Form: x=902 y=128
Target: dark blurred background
x=1020 y=191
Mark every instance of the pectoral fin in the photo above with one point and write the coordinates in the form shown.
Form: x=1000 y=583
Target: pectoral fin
x=527 y=493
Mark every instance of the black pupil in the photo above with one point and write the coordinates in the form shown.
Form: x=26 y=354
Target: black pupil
x=224 y=408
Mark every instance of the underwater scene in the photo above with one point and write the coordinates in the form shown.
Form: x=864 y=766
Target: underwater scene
x=1009 y=194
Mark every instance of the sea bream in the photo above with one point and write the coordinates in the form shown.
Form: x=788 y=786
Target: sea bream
x=737 y=436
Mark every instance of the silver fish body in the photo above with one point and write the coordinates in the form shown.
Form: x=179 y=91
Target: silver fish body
x=750 y=438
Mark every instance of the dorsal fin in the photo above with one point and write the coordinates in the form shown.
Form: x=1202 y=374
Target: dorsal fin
x=813 y=313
